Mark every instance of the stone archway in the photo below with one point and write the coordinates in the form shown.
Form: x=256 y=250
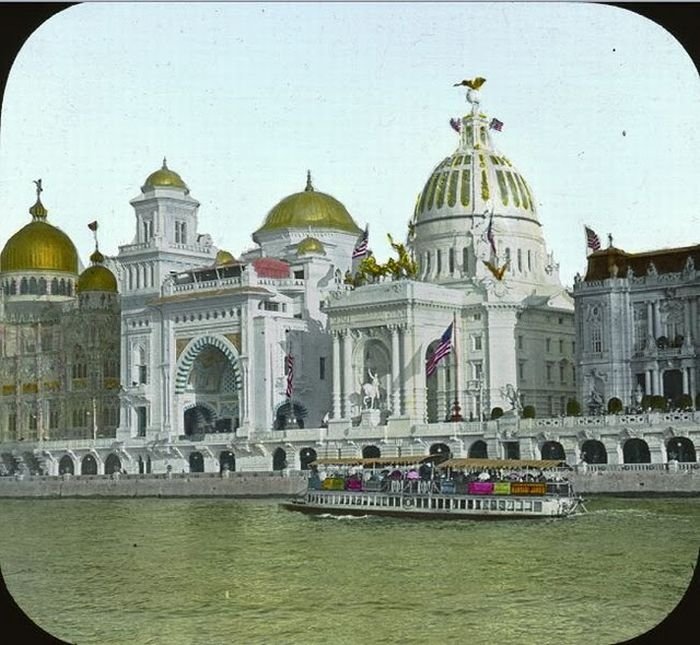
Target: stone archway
x=279 y=459
x=306 y=457
x=88 y=466
x=636 y=451
x=66 y=466
x=594 y=452
x=112 y=464
x=196 y=461
x=441 y=451
x=227 y=461
x=681 y=449
x=199 y=419
x=478 y=450
x=371 y=452
x=552 y=450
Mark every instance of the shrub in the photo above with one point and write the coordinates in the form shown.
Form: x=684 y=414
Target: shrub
x=646 y=401
x=684 y=402
x=496 y=413
x=529 y=412
x=573 y=408
x=614 y=406
x=658 y=402
x=697 y=401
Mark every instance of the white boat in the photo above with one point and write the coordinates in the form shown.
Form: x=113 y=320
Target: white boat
x=422 y=487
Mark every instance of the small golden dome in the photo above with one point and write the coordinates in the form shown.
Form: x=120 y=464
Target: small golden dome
x=309 y=209
x=223 y=257
x=310 y=245
x=165 y=178
x=97 y=277
x=39 y=246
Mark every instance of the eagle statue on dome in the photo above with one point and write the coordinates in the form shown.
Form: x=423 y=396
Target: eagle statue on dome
x=473 y=84
x=497 y=271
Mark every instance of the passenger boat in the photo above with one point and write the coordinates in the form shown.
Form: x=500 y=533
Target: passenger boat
x=423 y=487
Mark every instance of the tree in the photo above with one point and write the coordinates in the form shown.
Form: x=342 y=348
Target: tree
x=614 y=406
x=573 y=408
x=496 y=413
x=529 y=412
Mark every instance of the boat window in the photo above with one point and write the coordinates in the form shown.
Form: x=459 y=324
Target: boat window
x=509 y=505
x=493 y=504
x=470 y=504
x=527 y=505
x=518 y=504
x=538 y=507
x=477 y=504
x=501 y=505
x=462 y=503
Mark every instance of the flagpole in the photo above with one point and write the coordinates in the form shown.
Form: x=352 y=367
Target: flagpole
x=456 y=416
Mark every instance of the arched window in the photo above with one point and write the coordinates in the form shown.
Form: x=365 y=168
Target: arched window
x=33 y=286
x=69 y=287
x=520 y=261
x=42 y=286
x=131 y=277
x=465 y=259
x=529 y=260
x=23 y=286
x=451 y=260
x=54 y=286
x=438 y=267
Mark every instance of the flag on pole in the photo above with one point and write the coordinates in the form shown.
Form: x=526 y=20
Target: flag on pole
x=289 y=366
x=456 y=125
x=490 y=237
x=443 y=349
x=592 y=240
x=93 y=225
x=496 y=125
x=362 y=246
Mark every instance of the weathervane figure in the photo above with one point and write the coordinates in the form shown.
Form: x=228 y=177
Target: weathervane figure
x=474 y=86
x=39 y=189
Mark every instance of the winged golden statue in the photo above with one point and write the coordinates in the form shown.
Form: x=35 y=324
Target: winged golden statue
x=473 y=84
x=498 y=272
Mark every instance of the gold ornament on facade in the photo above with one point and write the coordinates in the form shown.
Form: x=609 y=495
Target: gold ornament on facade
x=310 y=245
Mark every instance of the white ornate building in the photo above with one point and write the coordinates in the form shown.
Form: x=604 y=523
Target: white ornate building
x=206 y=339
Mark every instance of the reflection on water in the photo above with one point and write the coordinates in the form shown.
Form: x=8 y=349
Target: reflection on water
x=196 y=571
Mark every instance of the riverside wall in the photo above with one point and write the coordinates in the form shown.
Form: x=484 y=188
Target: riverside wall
x=261 y=484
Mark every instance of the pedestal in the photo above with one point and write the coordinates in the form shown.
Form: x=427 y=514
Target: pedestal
x=371 y=417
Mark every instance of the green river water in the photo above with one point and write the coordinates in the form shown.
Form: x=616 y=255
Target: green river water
x=205 y=571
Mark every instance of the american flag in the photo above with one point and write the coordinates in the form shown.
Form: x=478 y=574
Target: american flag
x=443 y=349
x=496 y=125
x=362 y=246
x=456 y=125
x=592 y=240
x=490 y=237
x=289 y=366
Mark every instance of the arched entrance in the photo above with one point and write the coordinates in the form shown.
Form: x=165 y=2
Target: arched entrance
x=141 y=465
x=594 y=452
x=198 y=420
x=371 y=452
x=112 y=464
x=681 y=449
x=441 y=452
x=636 y=451
x=306 y=457
x=196 y=462
x=478 y=450
x=88 y=466
x=66 y=466
x=227 y=461
x=279 y=459
x=552 y=450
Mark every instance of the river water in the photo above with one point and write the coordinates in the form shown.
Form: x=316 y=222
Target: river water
x=205 y=571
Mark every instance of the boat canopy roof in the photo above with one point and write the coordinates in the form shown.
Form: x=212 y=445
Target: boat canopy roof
x=373 y=462
x=501 y=463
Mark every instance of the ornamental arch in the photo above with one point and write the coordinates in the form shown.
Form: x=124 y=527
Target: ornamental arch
x=636 y=451
x=594 y=452
x=66 y=466
x=306 y=457
x=552 y=450
x=371 y=452
x=88 y=466
x=441 y=451
x=478 y=450
x=112 y=464
x=681 y=449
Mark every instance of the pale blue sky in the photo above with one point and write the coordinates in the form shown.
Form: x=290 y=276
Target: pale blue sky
x=244 y=98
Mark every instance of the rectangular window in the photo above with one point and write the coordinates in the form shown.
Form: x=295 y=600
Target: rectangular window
x=550 y=405
x=439 y=262
x=561 y=346
x=529 y=261
x=147 y=230
x=141 y=421
x=562 y=403
x=143 y=374
x=477 y=316
x=451 y=260
x=520 y=342
x=12 y=422
x=573 y=375
x=465 y=259
x=322 y=368
x=548 y=344
x=561 y=374
x=477 y=371
x=521 y=370
x=520 y=261
x=53 y=418
x=549 y=372
x=180 y=233
x=476 y=342
x=596 y=339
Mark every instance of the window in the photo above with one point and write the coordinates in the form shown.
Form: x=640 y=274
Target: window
x=322 y=368
x=521 y=370
x=550 y=405
x=562 y=403
x=53 y=416
x=465 y=259
x=79 y=369
x=561 y=346
x=427 y=261
x=573 y=375
x=476 y=342
x=180 y=232
x=549 y=372
x=548 y=344
x=451 y=260
x=143 y=374
x=439 y=262
x=12 y=422
x=520 y=342
x=520 y=261
x=529 y=261
x=147 y=230
x=562 y=379
x=141 y=421
x=477 y=316
x=596 y=339
x=477 y=370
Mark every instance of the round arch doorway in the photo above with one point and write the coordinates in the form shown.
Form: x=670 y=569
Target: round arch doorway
x=279 y=459
x=196 y=462
x=112 y=464
x=66 y=466
x=227 y=461
x=88 y=465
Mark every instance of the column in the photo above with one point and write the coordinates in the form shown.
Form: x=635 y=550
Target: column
x=336 y=375
x=687 y=332
x=656 y=377
x=347 y=373
x=686 y=380
x=395 y=370
x=647 y=382
x=657 y=320
x=650 y=320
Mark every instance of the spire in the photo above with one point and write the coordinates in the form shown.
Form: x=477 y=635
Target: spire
x=38 y=211
x=309 y=186
x=165 y=164
x=96 y=257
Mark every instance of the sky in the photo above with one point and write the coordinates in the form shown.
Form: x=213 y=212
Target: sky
x=600 y=109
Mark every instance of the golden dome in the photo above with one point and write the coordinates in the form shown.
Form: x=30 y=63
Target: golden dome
x=309 y=209
x=165 y=177
x=97 y=277
x=39 y=246
x=223 y=257
x=310 y=245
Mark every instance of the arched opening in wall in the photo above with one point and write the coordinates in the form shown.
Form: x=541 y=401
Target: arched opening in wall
x=371 y=452
x=279 y=459
x=636 y=451
x=288 y=413
x=42 y=286
x=552 y=450
x=375 y=375
x=142 y=466
x=441 y=452
x=681 y=449
x=306 y=457
x=227 y=461
x=88 y=466
x=66 y=466
x=673 y=384
x=149 y=465
x=478 y=450
x=198 y=420
x=196 y=462
x=112 y=464
x=594 y=452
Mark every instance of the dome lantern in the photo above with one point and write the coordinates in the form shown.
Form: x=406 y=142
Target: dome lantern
x=164 y=178
x=96 y=277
